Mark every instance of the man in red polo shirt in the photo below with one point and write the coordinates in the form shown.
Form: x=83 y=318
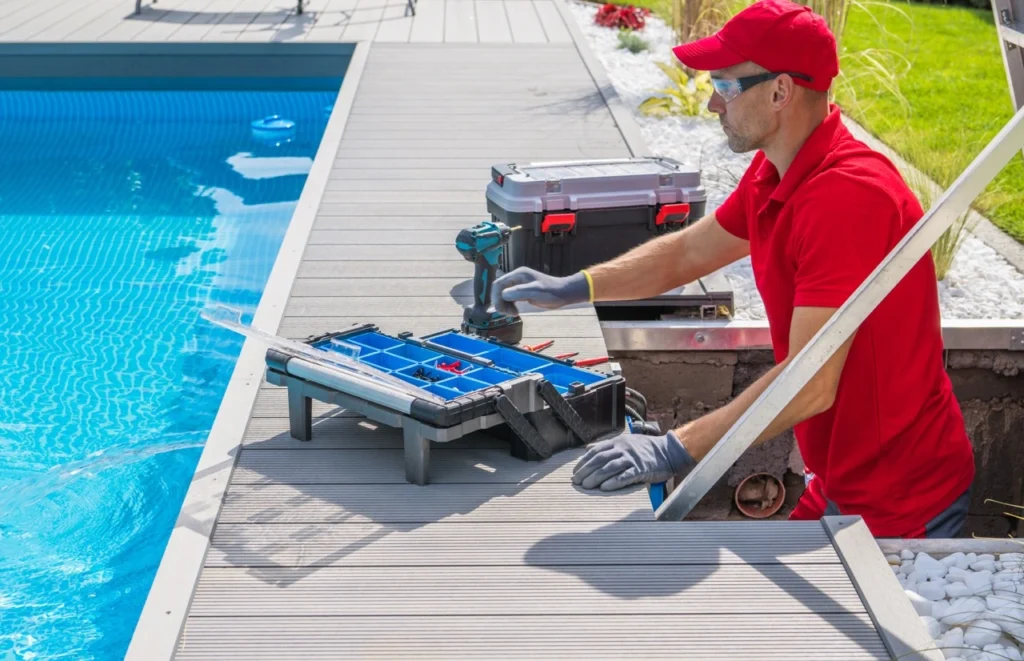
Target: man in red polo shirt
x=879 y=427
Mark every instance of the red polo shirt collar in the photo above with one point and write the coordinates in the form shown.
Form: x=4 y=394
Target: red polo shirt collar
x=810 y=157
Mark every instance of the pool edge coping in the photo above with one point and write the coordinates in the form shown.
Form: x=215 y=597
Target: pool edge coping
x=165 y=611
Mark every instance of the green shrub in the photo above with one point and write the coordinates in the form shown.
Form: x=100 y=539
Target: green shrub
x=685 y=96
x=632 y=41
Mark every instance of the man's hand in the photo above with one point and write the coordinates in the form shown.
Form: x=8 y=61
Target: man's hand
x=538 y=289
x=630 y=458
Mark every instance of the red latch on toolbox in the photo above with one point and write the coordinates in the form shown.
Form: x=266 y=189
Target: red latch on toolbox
x=558 y=222
x=672 y=213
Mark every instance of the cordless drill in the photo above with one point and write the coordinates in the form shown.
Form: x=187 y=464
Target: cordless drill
x=482 y=244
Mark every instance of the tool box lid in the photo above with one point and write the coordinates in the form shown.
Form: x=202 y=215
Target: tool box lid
x=593 y=184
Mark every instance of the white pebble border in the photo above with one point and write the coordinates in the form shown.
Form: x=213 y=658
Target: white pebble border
x=980 y=283
x=971 y=605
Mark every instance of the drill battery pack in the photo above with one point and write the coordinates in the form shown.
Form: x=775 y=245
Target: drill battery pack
x=539 y=404
x=575 y=214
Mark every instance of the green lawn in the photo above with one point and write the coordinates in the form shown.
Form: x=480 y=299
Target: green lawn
x=956 y=94
x=953 y=83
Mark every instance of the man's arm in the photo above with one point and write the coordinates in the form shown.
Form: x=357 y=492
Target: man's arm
x=700 y=435
x=666 y=262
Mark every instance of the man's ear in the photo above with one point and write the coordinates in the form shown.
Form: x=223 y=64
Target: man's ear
x=782 y=91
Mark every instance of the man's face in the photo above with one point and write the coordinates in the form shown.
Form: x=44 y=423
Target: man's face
x=747 y=119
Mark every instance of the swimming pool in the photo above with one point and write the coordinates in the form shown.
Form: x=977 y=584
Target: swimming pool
x=122 y=215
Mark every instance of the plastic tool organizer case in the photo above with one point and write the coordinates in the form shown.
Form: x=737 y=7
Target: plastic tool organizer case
x=581 y=213
x=540 y=404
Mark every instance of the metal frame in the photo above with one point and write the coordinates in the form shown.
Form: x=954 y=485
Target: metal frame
x=890 y=611
x=724 y=335
x=1007 y=15
x=957 y=199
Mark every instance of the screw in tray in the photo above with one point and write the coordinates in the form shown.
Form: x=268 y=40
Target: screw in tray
x=421 y=374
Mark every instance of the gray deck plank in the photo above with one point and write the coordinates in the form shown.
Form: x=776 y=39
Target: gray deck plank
x=460 y=22
x=264 y=24
x=410 y=504
x=428 y=24
x=388 y=285
x=495 y=544
x=418 y=237
x=581 y=320
x=551 y=19
x=372 y=269
x=492 y=22
x=515 y=590
x=63 y=23
x=778 y=637
x=384 y=466
x=380 y=253
x=525 y=23
x=347 y=431
x=365 y=20
x=571 y=333
x=396 y=23
x=332 y=20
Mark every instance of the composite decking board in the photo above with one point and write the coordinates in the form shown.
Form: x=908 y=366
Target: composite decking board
x=584 y=336
x=525 y=589
x=460 y=23
x=371 y=270
x=536 y=544
x=376 y=466
x=767 y=637
x=347 y=434
x=554 y=27
x=396 y=23
x=427 y=24
x=436 y=308
x=393 y=283
x=62 y=23
x=492 y=22
x=380 y=253
x=365 y=21
x=452 y=23
x=409 y=503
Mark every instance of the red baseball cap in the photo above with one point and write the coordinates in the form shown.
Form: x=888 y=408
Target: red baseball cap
x=779 y=35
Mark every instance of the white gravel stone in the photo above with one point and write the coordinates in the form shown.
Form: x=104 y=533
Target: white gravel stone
x=932 y=591
x=982 y=633
x=980 y=283
x=921 y=605
x=932 y=626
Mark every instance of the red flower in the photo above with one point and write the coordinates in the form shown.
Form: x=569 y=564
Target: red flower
x=617 y=16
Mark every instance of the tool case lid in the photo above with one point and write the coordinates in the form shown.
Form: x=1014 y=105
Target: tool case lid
x=593 y=184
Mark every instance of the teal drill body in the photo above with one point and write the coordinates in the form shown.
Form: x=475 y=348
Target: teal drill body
x=483 y=244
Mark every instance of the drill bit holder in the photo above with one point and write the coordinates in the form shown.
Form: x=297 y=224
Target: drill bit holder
x=459 y=384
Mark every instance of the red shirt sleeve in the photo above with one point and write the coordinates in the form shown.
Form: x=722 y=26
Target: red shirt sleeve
x=732 y=214
x=841 y=232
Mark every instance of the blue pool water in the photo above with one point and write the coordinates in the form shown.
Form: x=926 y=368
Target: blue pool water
x=122 y=216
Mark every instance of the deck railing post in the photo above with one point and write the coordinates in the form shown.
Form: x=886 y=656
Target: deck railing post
x=956 y=200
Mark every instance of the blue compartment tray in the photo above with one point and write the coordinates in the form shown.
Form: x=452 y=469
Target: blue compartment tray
x=451 y=364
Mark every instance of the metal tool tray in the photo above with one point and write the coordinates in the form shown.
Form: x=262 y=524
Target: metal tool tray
x=542 y=405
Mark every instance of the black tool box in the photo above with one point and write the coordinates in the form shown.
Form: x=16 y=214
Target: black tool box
x=575 y=214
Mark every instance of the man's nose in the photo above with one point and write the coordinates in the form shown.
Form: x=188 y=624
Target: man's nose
x=716 y=103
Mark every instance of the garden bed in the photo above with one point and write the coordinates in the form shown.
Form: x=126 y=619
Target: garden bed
x=980 y=284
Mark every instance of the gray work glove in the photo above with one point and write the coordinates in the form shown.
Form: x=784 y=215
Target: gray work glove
x=538 y=289
x=631 y=458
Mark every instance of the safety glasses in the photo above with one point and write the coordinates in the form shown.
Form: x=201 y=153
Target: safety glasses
x=730 y=88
